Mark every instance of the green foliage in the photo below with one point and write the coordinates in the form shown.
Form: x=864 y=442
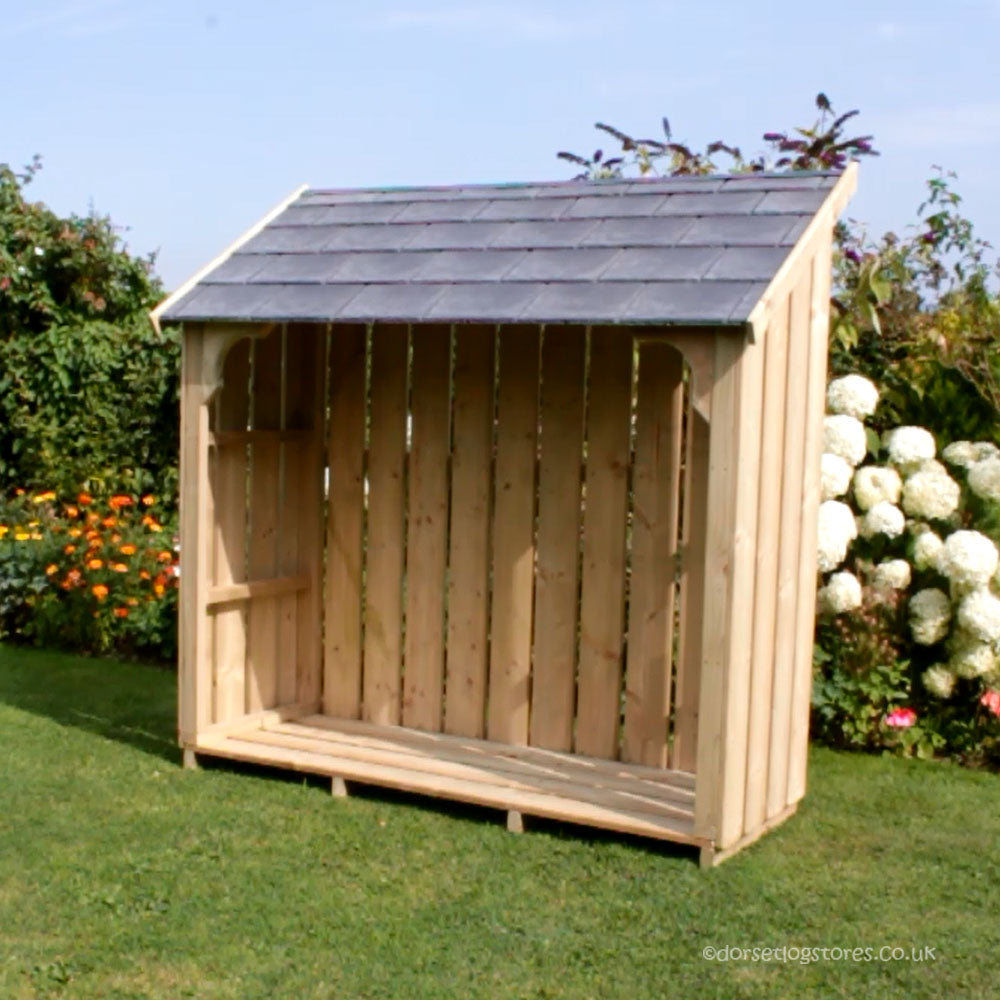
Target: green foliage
x=90 y=406
x=88 y=389
x=63 y=271
x=94 y=576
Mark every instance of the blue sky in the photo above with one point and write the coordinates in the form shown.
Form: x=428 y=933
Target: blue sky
x=186 y=121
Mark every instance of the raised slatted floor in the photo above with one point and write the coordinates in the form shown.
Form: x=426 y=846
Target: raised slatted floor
x=627 y=798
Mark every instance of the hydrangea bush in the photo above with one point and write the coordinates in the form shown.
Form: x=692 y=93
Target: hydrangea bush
x=908 y=638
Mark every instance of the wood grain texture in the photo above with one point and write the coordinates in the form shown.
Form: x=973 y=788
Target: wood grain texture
x=656 y=509
x=805 y=613
x=513 y=536
x=231 y=476
x=342 y=645
x=602 y=594
x=772 y=436
x=684 y=751
x=265 y=526
x=790 y=538
x=386 y=534
x=427 y=528
x=557 y=578
x=469 y=540
x=196 y=517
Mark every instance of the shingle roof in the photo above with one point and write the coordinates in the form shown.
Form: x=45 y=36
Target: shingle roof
x=683 y=250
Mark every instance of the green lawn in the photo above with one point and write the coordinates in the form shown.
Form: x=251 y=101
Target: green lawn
x=122 y=876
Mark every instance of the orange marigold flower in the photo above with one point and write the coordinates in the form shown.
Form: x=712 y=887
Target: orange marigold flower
x=131 y=601
x=44 y=497
x=75 y=532
x=36 y=536
x=121 y=612
x=116 y=538
x=51 y=568
x=110 y=521
x=73 y=576
x=127 y=550
x=95 y=544
x=119 y=567
x=19 y=492
x=94 y=564
x=3 y=530
x=99 y=591
x=21 y=536
x=120 y=500
x=148 y=500
x=93 y=517
x=69 y=549
x=72 y=511
x=165 y=556
x=158 y=589
x=83 y=499
x=144 y=574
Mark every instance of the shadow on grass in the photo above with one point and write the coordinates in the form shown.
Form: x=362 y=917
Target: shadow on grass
x=131 y=703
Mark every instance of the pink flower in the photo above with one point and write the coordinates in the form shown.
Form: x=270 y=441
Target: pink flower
x=901 y=718
x=990 y=700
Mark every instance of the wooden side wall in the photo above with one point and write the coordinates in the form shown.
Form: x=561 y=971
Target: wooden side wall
x=503 y=535
x=251 y=522
x=760 y=562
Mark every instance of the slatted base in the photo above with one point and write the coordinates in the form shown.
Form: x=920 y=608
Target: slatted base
x=627 y=798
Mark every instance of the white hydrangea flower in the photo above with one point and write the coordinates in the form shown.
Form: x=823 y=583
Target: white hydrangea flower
x=968 y=559
x=979 y=616
x=854 y=395
x=930 y=616
x=909 y=448
x=835 y=476
x=893 y=574
x=973 y=659
x=960 y=453
x=931 y=493
x=876 y=484
x=836 y=531
x=927 y=550
x=842 y=593
x=883 y=519
x=845 y=436
x=984 y=478
x=983 y=450
x=939 y=680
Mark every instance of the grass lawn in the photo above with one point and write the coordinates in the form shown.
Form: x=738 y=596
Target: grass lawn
x=122 y=876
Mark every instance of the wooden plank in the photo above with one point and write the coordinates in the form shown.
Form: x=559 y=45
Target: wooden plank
x=603 y=571
x=513 y=535
x=557 y=577
x=771 y=445
x=299 y=737
x=262 y=641
x=805 y=614
x=276 y=586
x=308 y=411
x=345 y=455
x=427 y=527
x=196 y=515
x=656 y=508
x=238 y=438
x=384 y=559
x=469 y=539
x=464 y=790
x=594 y=771
x=231 y=474
x=729 y=564
x=687 y=685
x=790 y=535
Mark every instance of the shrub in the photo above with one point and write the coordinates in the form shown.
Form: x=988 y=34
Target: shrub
x=99 y=576
x=908 y=639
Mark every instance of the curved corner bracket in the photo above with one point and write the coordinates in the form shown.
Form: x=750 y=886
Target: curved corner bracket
x=698 y=350
x=219 y=341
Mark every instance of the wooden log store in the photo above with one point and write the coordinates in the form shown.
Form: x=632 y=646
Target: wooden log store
x=508 y=494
